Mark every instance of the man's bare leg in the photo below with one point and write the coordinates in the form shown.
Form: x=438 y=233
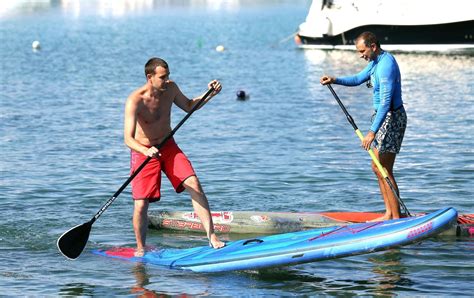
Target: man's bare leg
x=388 y=160
x=201 y=207
x=382 y=185
x=392 y=207
x=140 y=225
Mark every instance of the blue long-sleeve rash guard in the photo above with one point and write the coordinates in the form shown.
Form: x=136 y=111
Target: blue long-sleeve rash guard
x=385 y=77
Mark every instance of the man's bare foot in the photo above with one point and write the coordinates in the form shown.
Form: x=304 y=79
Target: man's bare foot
x=214 y=242
x=382 y=218
x=139 y=252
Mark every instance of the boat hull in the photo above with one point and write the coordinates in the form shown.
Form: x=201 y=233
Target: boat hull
x=458 y=36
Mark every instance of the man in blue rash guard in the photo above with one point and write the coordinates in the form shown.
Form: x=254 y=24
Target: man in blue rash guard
x=389 y=119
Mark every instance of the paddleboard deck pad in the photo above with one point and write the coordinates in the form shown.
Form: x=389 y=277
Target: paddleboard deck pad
x=296 y=247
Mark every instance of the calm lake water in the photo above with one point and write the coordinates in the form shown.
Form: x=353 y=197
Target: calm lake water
x=287 y=148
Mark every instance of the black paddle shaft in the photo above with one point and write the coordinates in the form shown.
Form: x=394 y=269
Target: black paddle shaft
x=135 y=173
x=348 y=116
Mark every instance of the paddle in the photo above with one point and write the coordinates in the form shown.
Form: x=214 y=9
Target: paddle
x=72 y=242
x=371 y=152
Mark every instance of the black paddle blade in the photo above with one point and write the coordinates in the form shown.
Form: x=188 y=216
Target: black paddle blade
x=72 y=242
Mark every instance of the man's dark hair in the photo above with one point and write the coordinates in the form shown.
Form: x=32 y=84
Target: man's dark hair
x=153 y=63
x=368 y=38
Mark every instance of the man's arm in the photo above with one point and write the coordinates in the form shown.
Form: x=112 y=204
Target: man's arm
x=187 y=104
x=386 y=81
x=354 y=80
x=357 y=79
x=387 y=78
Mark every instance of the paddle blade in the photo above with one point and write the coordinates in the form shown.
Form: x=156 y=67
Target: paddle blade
x=72 y=242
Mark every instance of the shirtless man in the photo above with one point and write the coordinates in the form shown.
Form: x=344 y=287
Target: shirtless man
x=147 y=123
x=389 y=120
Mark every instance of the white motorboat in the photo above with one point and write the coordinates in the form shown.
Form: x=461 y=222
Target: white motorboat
x=403 y=25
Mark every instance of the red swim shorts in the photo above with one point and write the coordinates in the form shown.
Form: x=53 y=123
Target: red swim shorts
x=173 y=162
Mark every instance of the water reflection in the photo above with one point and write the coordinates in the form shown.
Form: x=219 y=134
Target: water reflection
x=182 y=288
x=105 y=8
x=77 y=289
x=383 y=275
x=411 y=64
x=143 y=279
x=390 y=273
x=116 y=8
x=8 y=8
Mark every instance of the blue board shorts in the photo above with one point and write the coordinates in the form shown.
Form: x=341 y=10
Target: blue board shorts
x=390 y=135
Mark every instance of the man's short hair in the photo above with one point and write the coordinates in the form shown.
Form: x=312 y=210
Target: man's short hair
x=153 y=63
x=368 y=38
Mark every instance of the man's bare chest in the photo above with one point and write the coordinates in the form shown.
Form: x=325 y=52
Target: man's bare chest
x=154 y=110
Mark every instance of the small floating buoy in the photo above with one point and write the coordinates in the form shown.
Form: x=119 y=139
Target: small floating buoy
x=241 y=95
x=220 y=48
x=36 y=45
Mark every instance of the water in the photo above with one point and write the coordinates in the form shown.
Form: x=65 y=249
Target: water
x=287 y=148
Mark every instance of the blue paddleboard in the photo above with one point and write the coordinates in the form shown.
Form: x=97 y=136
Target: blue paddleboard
x=297 y=247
